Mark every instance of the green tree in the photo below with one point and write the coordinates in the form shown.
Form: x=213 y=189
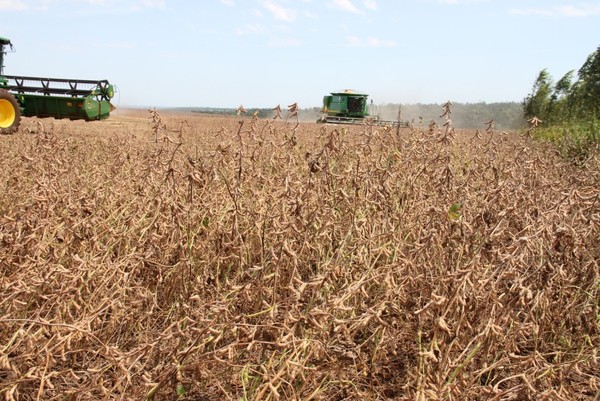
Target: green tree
x=537 y=103
x=559 y=107
x=588 y=88
x=571 y=110
x=563 y=86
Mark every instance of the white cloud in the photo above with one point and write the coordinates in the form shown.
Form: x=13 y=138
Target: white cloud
x=309 y=14
x=153 y=4
x=583 y=10
x=133 y=5
x=12 y=5
x=353 y=41
x=251 y=29
x=345 y=5
x=284 y=42
x=99 y=2
x=370 y=4
x=279 y=12
x=460 y=1
x=120 y=45
x=531 y=11
x=228 y=3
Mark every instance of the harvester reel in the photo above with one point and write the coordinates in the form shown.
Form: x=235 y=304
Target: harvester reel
x=10 y=113
x=105 y=91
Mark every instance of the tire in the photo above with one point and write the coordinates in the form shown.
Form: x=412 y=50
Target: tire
x=10 y=113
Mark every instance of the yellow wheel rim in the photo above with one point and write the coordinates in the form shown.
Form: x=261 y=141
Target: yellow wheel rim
x=7 y=114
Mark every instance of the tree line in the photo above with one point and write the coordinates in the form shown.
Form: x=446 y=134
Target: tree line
x=568 y=111
x=573 y=98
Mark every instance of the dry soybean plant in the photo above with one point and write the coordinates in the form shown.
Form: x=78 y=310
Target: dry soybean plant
x=264 y=260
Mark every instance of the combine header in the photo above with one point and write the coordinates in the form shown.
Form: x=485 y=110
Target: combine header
x=74 y=99
x=351 y=107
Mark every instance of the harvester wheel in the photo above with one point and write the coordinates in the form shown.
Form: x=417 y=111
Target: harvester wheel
x=10 y=113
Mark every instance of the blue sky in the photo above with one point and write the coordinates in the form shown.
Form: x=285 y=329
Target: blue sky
x=261 y=53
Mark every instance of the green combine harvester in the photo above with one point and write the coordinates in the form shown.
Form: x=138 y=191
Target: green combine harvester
x=74 y=99
x=351 y=107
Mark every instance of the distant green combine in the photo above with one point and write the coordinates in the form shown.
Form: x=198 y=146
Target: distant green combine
x=351 y=107
x=74 y=99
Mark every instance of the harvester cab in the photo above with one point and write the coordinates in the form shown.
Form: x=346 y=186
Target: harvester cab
x=347 y=106
x=75 y=99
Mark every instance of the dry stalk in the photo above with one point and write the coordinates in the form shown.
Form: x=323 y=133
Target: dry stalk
x=334 y=264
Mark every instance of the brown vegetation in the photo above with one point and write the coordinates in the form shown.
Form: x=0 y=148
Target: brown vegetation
x=163 y=257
